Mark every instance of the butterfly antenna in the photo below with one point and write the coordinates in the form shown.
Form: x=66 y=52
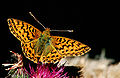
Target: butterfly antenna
x=44 y=26
x=62 y=30
x=37 y=20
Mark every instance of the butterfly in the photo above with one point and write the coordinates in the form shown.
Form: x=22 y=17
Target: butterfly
x=40 y=46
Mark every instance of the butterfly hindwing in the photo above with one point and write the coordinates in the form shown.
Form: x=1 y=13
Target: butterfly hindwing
x=22 y=30
x=29 y=51
x=52 y=57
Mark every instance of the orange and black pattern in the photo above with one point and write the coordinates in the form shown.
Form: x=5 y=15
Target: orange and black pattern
x=39 y=46
x=70 y=47
x=22 y=30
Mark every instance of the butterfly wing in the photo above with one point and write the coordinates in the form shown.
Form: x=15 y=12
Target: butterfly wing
x=63 y=47
x=52 y=57
x=69 y=47
x=22 y=30
x=28 y=36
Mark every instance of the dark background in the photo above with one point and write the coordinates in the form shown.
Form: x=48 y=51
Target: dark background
x=95 y=25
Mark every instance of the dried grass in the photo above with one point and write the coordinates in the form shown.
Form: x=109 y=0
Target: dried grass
x=94 y=68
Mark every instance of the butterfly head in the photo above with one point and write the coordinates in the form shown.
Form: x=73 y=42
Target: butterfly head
x=47 y=31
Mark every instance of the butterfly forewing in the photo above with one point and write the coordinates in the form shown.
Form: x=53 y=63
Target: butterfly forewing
x=70 y=47
x=27 y=34
x=22 y=30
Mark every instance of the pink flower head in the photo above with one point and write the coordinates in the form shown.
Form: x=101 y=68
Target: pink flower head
x=47 y=71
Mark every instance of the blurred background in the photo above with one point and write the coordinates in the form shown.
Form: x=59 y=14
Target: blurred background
x=94 y=24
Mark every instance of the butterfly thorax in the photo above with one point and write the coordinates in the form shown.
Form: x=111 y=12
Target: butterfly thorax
x=42 y=45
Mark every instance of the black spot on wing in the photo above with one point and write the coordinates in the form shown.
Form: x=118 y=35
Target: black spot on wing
x=57 y=39
x=48 y=56
x=31 y=45
x=30 y=27
x=12 y=21
x=68 y=46
x=52 y=56
x=57 y=43
x=33 y=30
x=56 y=55
x=29 y=51
x=61 y=48
x=33 y=35
x=62 y=51
x=27 y=26
x=60 y=39
x=71 y=49
x=68 y=41
x=66 y=50
x=20 y=32
x=73 y=43
x=55 y=60
x=22 y=25
x=64 y=40
x=18 y=23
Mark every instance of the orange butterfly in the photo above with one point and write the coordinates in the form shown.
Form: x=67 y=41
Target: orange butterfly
x=40 y=46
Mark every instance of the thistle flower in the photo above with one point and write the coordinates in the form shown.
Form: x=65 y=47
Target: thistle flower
x=17 y=70
x=47 y=71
